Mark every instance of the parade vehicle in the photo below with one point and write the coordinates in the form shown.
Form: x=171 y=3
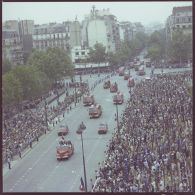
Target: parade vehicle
x=131 y=82
x=65 y=150
x=79 y=130
x=118 y=98
x=148 y=64
x=141 y=71
x=130 y=64
x=142 y=63
x=121 y=71
x=95 y=111
x=63 y=130
x=82 y=126
x=147 y=79
x=103 y=128
x=106 y=84
x=88 y=100
x=113 y=87
x=126 y=75
x=137 y=66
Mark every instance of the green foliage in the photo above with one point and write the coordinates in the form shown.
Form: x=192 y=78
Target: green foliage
x=156 y=45
x=154 y=52
x=98 y=53
x=55 y=63
x=129 y=49
x=6 y=66
x=180 y=47
x=11 y=89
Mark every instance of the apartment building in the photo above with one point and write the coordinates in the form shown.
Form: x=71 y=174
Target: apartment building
x=65 y=36
x=100 y=26
x=126 y=31
x=12 y=48
x=180 y=19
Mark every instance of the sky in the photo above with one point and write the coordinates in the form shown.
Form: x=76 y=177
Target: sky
x=45 y=12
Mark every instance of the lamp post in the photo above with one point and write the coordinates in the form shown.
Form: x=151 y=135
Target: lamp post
x=85 y=178
x=75 y=94
x=117 y=117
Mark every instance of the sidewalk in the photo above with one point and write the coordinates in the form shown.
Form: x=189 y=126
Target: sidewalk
x=16 y=159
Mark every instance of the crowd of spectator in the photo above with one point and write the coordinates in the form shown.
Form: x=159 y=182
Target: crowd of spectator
x=152 y=150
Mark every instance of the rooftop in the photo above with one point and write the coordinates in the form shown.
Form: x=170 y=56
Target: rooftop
x=182 y=9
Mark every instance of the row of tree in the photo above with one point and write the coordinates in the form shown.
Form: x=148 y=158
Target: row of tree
x=177 y=49
x=30 y=81
x=129 y=49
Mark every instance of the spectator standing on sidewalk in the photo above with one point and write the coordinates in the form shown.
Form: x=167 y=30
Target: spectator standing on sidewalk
x=9 y=162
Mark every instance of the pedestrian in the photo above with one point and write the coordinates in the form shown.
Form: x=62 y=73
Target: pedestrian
x=9 y=162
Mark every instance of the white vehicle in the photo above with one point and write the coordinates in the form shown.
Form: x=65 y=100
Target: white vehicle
x=88 y=100
x=95 y=111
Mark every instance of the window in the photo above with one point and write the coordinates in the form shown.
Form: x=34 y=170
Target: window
x=183 y=26
x=76 y=53
x=82 y=53
x=189 y=19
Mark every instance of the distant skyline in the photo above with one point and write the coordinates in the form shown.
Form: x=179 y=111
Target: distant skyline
x=45 y=12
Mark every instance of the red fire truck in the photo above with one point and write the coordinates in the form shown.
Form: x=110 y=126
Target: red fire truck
x=121 y=71
x=113 y=87
x=131 y=82
x=126 y=75
x=118 y=98
x=141 y=71
x=65 y=150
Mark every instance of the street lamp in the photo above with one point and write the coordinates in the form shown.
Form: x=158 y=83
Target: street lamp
x=75 y=94
x=84 y=163
x=117 y=117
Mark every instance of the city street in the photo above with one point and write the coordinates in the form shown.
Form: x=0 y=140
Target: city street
x=39 y=170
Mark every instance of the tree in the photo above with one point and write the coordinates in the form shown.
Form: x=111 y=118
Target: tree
x=6 y=66
x=11 y=89
x=156 y=45
x=180 y=47
x=55 y=63
x=98 y=54
x=154 y=53
x=31 y=80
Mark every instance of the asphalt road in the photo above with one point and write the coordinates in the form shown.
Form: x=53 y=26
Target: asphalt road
x=39 y=171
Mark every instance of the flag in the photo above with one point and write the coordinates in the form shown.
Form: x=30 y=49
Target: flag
x=82 y=187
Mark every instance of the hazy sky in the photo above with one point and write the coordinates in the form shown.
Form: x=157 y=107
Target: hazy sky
x=45 y=12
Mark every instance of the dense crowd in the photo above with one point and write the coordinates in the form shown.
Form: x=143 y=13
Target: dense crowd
x=152 y=151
